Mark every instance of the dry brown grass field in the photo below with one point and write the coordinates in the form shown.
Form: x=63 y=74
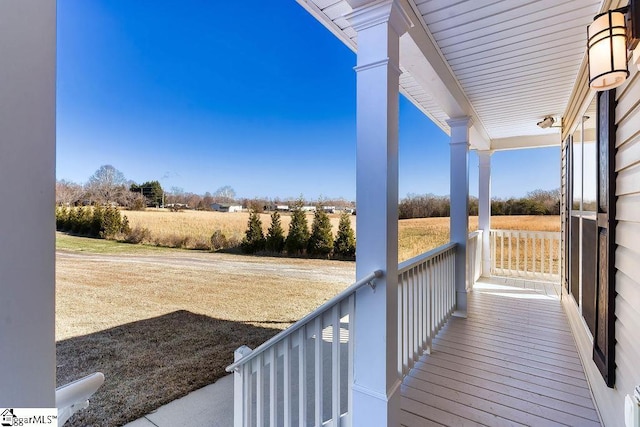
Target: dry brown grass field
x=195 y=228
x=422 y=234
x=416 y=235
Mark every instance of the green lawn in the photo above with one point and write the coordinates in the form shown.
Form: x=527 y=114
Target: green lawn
x=101 y=246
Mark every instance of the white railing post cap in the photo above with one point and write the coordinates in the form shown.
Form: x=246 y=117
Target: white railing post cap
x=241 y=352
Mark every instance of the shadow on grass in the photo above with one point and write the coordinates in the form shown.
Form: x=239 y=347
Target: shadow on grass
x=151 y=362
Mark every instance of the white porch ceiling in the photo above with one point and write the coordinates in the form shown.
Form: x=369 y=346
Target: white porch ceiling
x=506 y=63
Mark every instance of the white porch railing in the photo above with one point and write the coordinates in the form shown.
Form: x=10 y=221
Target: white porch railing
x=302 y=376
x=426 y=299
x=73 y=397
x=527 y=254
x=474 y=258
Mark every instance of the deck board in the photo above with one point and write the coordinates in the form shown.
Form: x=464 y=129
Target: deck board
x=512 y=361
x=523 y=391
x=491 y=372
x=510 y=349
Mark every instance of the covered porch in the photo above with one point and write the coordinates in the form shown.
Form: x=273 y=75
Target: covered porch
x=512 y=360
x=415 y=343
x=411 y=344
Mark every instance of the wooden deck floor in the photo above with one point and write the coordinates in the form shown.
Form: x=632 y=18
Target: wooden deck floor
x=512 y=362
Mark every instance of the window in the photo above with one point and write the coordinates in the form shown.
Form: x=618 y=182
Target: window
x=591 y=227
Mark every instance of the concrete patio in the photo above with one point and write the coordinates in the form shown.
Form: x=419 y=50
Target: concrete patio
x=210 y=406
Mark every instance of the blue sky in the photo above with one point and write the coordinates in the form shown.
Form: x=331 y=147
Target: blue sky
x=256 y=95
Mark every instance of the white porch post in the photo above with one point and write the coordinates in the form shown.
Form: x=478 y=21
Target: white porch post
x=376 y=382
x=27 y=221
x=484 y=207
x=459 y=214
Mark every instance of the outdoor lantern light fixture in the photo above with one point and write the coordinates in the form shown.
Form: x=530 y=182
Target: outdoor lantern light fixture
x=609 y=37
x=547 y=122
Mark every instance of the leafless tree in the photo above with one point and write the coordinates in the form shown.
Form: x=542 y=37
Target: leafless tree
x=107 y=185
x=224 y=194
x=193 y=200
x=130 y=199
x=207 y=200
x=68 y=192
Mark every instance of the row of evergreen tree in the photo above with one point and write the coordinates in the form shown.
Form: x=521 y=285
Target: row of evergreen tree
x=96 y=221
x=318 y=243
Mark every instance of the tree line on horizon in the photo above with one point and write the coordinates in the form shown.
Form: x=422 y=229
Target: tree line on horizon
x=537 y=202
x=109 y=187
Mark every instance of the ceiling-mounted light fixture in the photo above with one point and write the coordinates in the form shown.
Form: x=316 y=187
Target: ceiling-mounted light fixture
x=547 y=122
x=609 y=37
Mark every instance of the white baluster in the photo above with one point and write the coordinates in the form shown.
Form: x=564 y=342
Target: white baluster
x=318 y=371
x=286 y=390
x=352 y=323
x=259 y=391
x=273 y=400
x=335 y=365
x=302 y=377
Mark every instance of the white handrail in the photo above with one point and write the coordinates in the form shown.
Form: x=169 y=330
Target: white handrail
x=72 y=397
x=410 y=263
x=474 y=234
x=301 y=376
x=367 y=280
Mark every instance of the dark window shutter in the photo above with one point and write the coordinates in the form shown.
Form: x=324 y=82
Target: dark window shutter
x=604 y=334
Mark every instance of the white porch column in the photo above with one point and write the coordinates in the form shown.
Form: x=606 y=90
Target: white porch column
x=27 y=221
x=459 y=215
x=484 y=207
x=376 y=382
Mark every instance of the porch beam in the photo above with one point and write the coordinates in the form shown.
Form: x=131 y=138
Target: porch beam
x=484 y=207
x=27 y=220
x=376 y=381
x=526 y=141
x=459 y=212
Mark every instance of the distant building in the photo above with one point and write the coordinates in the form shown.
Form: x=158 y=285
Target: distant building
x=280 y=208
x=176 y=206
x=223 y=207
